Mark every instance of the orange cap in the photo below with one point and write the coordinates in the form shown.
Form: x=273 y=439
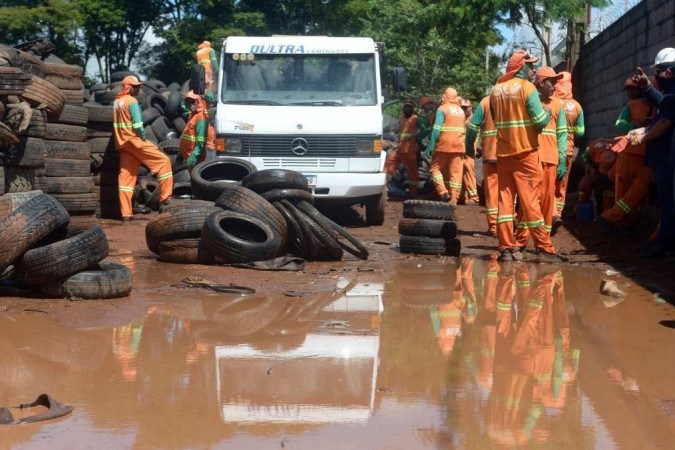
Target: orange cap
x=516 y=62
x=547 y=72
x=203 y=45
x=131 y=80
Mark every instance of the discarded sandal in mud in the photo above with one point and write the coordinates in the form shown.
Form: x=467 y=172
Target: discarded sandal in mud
x=197 y=281
x=54 y=409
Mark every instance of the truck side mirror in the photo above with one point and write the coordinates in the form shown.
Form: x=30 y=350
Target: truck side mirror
x=399 y=81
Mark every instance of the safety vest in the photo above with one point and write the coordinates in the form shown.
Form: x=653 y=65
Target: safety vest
x=123 y=126
x=488 y=132
x=204 y=58
x=548 y=139
x=640 y=110
x=189 y=138
x=572 y=112
x=408 y=132
x=451 y=137
x=516 y=132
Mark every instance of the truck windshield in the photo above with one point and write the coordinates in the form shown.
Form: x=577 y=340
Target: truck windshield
x=309 y=80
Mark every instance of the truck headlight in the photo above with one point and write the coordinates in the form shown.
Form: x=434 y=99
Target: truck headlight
x=365 y=146
x=233 y=145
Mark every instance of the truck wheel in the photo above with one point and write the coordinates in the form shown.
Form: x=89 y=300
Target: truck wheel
x=375 y=210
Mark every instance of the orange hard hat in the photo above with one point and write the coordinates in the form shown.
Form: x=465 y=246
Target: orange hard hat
x=131 y=80
x=547 y=72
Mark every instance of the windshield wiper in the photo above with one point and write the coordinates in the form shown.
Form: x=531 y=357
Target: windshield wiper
x=319 y=103
x=253 y=102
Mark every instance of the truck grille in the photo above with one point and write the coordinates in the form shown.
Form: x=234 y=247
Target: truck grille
x=290 y=163
x=316 y=146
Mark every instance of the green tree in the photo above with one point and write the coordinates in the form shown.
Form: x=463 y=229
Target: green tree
x=540 y=15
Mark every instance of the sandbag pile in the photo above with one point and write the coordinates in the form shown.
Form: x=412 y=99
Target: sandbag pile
x=163 y=123
x=265 y=215
x=428 y=228
x=40 y=249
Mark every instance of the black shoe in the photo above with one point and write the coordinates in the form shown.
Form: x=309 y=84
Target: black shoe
x=505 y=256
x=550 y=258
x=127 y=219
x=557 y=223
x=141 y=209
x=446 y=197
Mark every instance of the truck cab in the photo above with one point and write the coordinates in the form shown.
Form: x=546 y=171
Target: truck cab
x=312 y=104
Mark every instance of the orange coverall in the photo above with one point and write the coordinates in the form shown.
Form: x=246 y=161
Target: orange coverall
x=447 y=145
x=134 y=151
x=407 y=150
x=469 y=183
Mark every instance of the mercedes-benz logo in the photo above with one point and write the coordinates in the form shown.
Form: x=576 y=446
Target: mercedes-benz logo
x=299 y=146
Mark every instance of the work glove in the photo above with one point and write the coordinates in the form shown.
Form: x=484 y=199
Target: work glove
x=562 y=168
x=192 y=160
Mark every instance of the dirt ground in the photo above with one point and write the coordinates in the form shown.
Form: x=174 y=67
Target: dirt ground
x=585 y=245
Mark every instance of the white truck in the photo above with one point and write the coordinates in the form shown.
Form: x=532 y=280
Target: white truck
x=311 y=104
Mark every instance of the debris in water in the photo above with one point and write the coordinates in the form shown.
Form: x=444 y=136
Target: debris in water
x=610 y=288
x=657 y=298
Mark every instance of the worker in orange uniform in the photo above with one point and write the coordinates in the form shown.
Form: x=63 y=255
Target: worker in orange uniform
x=552 y=148
x=575 y=129
x=519 y=116
x=194 y=137
x=481 y=123
x=446 y=148
x=135 y=149
x=469 y=184
x=407 y=150
x=632 y=179
x=206 y=57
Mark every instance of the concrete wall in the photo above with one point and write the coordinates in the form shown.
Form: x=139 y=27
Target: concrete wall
x=610 y=57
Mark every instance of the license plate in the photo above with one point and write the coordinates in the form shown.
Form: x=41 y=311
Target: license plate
x=311 y=180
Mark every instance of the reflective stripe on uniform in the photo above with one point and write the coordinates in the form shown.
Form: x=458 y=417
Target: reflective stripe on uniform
x=502 y=219
x=624 y=206
x=165 y=176
x=534 y=224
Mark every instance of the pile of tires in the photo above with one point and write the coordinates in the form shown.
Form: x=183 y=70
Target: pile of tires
x=428 y=228
x=400 y=183
x=264 y=215
x=41 y=251
x=163 y=123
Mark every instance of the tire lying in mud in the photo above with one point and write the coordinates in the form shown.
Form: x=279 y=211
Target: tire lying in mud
x=266 y=180
x=423 y=245
x=428 y=209
x=211 y=178
x=27 y=225
x=428 y=227
x=177 y=223
x=239 y=238
x=185 y=251
x=245 y=201
x=63 y=258
x=105 y=280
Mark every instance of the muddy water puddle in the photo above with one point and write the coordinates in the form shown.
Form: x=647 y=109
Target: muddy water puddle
x=468 y=354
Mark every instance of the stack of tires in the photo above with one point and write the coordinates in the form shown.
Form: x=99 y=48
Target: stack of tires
x=245 y=216
x=40 y=250
x=163 y=124
x=428 y=228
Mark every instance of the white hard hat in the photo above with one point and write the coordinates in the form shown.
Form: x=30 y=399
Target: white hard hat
x=665 y=56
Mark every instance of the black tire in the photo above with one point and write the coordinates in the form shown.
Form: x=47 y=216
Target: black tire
x=56 y=167
x=211 y=178
x=38 y=124
x=182 y=176
x=120 y=74
x=173 y=86
x=62 y=82
x=155 y=84
x=74 y=115
x=107 y=280
x=239 y=238
x=149 y=115
x=185 y=203
x=423 y=245
x=63 y=258
x=150 y=135
x=161 y=127
x=179 y=123
x=176 y=223
x=99 y=113
x=185 y=251
x=98 y=87
x=293 y=195
x=266 y=180
x=10 y=202
x=428 y=227
x=74 y=96
x=67 y=150
x=427 y=209
x=156 y=101
x=106 y=98
x=101 y=145
x=375 y=210
x=29 y=152
x=69 y=185
x=294 y=237
x=181 y=189
x=41 y=93
x=27 y=225
x=328 y=249
x=78 y=203
x=61 y=132
x=2 y=181
x=172 y=109
x=19 y=179
x=310 y=244
x=245 y=201
x=198 y=80
x=170 y=146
